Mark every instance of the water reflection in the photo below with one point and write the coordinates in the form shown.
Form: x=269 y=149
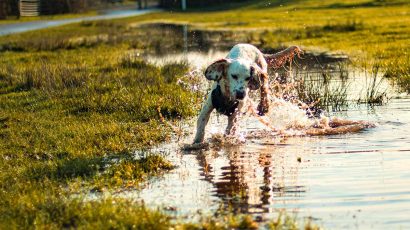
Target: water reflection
x=343 y=181
x=348 y=181
x=237 y=182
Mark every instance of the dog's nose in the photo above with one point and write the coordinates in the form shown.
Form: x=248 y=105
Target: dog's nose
x=240 y=95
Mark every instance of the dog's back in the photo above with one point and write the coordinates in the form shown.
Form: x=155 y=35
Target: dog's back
x=246 y=52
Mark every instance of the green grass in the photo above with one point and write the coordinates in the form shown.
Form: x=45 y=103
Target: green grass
x=369 y=31
x=70 y=121
x=76 y=104
x=14 y=19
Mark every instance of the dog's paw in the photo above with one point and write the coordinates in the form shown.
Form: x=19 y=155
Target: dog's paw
x=195 y=146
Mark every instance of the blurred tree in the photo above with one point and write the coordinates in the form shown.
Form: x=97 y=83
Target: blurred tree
x=8 y=8
x=142 y=4
x=11 y=7
x=194 y=3
x=2 y=9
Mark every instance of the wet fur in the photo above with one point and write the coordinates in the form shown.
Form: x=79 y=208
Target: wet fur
x=250 y=66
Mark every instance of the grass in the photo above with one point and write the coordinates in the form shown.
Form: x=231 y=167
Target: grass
x=76 y=104
x=14 y=19
x=368 y=31
x=322 y=91
x=71 y=120
x=375 y=94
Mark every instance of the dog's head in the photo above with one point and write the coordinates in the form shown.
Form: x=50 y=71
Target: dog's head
x=235 y=77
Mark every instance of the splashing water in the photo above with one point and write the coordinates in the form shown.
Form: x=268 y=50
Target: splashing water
x=287 y=116
x=259 y=171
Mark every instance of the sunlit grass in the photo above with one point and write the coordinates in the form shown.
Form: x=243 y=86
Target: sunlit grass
x=70 y=121
x=76 y=104
x=15 y=19
x=368 y=31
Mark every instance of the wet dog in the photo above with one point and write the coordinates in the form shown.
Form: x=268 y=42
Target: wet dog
x=244 y=69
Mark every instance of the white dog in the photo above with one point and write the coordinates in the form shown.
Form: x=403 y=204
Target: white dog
x=244 y=68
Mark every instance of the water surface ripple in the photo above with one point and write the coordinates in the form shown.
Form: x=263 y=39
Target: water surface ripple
x=359 y=180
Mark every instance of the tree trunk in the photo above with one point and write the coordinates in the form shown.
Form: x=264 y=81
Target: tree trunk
x=68 y=2
x=2 y=10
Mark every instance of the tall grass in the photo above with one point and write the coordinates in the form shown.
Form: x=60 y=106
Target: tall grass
x=375 y=93
x=327 y=89
x=399 y=72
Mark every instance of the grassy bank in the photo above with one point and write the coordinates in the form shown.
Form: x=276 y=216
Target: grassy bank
x=15 y=19
x=371 y=32
x=70 y=121
x=76 y=104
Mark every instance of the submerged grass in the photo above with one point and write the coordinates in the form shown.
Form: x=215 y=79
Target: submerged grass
x=322 y=90
x=375 y=94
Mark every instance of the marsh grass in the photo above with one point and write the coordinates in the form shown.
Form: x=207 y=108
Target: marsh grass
x=375 y=93
x=285 y=221
x=342 y=85
x=71 y=121
x=74 y=107
x=323 y=90
x=399 y=72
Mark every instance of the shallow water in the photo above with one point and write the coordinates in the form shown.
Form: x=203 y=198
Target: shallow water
x=354 y=181
x=359 y=180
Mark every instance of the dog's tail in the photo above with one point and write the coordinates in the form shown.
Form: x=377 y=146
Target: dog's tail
x=279 y=59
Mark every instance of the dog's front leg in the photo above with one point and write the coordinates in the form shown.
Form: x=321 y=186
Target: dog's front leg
x=203 y=120
x=231 y=128
x=263 y=106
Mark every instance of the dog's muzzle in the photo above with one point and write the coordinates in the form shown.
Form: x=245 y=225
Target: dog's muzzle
x=240 y=95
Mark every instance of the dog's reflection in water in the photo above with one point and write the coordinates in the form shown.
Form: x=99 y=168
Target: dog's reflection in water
x=246 y=179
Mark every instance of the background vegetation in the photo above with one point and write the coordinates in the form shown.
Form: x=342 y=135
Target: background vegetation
x=76 y=104
x=369 y=31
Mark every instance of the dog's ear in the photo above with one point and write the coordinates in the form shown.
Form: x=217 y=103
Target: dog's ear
x=256 y=77
x=216 y=70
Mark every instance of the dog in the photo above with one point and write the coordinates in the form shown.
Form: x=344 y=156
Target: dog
x=245 y=68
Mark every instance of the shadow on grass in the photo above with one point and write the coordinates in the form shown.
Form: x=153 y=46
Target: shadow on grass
x=206 y=6
x=374 y=3
x=114 y=170
x=66 y=169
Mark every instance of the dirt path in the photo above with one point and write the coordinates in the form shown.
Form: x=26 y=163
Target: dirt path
x=41 y=24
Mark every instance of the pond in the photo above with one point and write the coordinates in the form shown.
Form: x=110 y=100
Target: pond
x=357 y=180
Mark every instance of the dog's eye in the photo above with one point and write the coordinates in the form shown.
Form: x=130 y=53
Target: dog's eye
x=235 y=77
x=248 y=78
